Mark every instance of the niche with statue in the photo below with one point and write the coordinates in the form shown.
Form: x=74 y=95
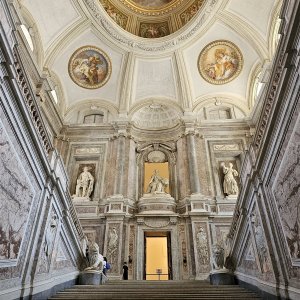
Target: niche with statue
x=155 y=179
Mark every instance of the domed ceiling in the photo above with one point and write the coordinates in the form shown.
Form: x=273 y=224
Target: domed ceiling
x=154 y=18
x=206 y=69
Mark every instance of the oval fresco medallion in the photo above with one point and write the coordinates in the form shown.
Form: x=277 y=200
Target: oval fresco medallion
x=220 y=62
x=89 y=67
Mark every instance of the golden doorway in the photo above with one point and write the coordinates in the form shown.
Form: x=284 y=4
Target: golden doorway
x=157 y=256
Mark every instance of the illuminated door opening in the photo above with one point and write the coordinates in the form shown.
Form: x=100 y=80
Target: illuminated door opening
x=157 y=256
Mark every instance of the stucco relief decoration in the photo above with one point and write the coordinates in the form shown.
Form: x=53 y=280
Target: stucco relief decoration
x=115 y=14
x=202 y=241
x=154 y=30
x=112 y=246
x=188 y=14
x=220 y=62
x=90 y=67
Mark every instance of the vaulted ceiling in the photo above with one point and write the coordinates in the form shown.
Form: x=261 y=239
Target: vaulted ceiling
x=150 y=73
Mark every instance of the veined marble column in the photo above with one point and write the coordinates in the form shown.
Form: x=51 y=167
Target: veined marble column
x=118 y=186
x=193 y=166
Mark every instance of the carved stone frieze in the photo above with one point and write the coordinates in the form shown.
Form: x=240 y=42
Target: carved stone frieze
x=156 y=222
x=226 y=147
x=31 y=104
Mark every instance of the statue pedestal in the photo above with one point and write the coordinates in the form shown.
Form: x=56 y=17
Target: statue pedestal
x=80 y=199
x=90 y=277
x=158 y=203
x=226 y=206
x=221 y=277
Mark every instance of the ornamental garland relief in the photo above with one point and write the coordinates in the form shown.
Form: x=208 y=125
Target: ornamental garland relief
x=220 y=62
x=90 y=67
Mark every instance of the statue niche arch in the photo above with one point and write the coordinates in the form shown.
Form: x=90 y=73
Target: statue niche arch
x=156 y=154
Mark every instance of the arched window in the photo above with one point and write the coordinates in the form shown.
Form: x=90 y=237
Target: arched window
x=93 y=118
x=27 y=35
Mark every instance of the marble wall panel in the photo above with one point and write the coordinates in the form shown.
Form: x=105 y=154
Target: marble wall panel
x=108 y=188
x=286 y=190
x=182 y=172
x=16 y=196
x=202 y=158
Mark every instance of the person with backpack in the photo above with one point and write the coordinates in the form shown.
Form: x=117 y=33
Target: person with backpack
x=106 y=265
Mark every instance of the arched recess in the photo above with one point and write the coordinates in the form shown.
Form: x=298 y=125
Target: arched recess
x=28 y=21
x=236 y=107
x=274 y=29
x=167 y=152
x=76 y=113
x=55 y=84
x=254 y=84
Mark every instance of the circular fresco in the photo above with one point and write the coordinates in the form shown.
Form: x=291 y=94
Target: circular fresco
x=220 y=62
x=89 y=67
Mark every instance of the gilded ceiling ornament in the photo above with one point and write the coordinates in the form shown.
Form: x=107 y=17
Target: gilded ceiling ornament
x=154 y=30
x=89 y=67
x=220 y=62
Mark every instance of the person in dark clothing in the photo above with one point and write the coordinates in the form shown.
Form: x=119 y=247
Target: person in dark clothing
x=125 y=271
x=104 y=265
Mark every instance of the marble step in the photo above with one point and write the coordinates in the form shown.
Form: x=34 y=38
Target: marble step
x=156 y=290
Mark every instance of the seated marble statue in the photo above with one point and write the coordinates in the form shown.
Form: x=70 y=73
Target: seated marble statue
x=230 y=185
x=95 y=258
x=157 y=184
x=85 y=184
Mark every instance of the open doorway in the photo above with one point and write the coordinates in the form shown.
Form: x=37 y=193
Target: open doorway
x=158 y=256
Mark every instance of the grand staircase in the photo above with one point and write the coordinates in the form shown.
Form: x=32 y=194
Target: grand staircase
x=162 y=290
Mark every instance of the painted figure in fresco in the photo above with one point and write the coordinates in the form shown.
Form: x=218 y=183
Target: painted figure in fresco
x=157 y=184
x=224 y=66
x=230 y=185
x=85 y=184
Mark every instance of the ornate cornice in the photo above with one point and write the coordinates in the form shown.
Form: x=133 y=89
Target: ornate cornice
x=157 y=45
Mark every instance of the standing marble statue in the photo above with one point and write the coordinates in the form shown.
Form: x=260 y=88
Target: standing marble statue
x=157 y=183
x=85 y=184
x=230 y=185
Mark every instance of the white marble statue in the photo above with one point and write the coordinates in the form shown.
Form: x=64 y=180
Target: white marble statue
x=218 y=258
x=230 y=185
x=157 y=184
x=85 y=184
x=95 y=258
x=50 y=234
